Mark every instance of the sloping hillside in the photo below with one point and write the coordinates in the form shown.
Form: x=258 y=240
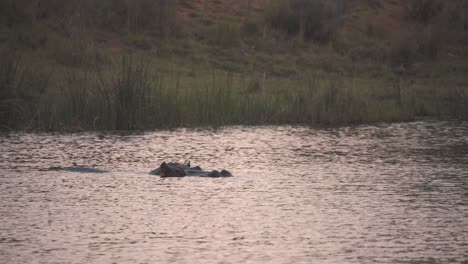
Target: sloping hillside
x=270 y=35
x=66 y=64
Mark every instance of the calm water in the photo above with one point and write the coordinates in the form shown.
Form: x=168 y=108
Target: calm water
x=386 y=194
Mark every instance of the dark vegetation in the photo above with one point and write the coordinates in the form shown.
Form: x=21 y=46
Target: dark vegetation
x=143 y=64
x=309 y=20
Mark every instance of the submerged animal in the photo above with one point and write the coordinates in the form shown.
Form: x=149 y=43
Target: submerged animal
x=174 y=169
x=78 y=168
x=84 y=169
x=171 y=169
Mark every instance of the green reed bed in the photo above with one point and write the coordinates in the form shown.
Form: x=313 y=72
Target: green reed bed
x=22 y=89
x=130 y=94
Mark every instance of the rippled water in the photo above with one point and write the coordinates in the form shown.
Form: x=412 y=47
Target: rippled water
x=388 y=194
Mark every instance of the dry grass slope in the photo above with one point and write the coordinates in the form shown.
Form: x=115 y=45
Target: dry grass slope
x=77 y=64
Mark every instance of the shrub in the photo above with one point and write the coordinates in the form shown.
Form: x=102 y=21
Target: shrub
x=430 y=44
x=403 y=49
x=250 y=28
x=424 y=10
x=227 y=34
x=309 y=19
x=158 y=16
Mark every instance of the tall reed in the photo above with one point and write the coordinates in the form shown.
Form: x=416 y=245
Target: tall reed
x=21 y=88
x=128 y=94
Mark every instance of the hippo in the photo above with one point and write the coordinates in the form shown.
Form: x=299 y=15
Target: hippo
x=175 y=169
x=78 y=168
x=83 y=169
x=171 y=169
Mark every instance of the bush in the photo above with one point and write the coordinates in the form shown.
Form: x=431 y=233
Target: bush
x=309 y=19
x=403 y=50
x=158 y=16
x=424 y=10
x=430 y=44
x=227 y=34
x=250 y=28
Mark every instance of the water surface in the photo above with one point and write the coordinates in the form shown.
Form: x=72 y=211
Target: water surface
x=390 y=193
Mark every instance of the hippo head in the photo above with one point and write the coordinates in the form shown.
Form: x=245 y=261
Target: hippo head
x=166 y=171
x=225 y=173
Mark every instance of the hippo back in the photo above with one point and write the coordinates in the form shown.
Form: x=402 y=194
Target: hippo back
x=84 y=170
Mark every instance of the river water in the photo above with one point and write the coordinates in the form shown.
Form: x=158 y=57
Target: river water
x=389 y=193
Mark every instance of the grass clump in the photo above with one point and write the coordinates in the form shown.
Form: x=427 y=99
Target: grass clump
x=113 y=99
x=131 y=85
x=21 y=88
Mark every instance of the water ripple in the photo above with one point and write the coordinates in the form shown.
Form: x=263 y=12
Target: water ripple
x=387 y=193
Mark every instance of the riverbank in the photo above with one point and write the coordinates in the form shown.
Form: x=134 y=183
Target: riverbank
x=195 y=68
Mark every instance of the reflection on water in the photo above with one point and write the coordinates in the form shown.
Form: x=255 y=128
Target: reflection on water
x=387 y=194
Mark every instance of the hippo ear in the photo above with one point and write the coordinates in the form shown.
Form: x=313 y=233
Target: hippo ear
x=188 y=164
